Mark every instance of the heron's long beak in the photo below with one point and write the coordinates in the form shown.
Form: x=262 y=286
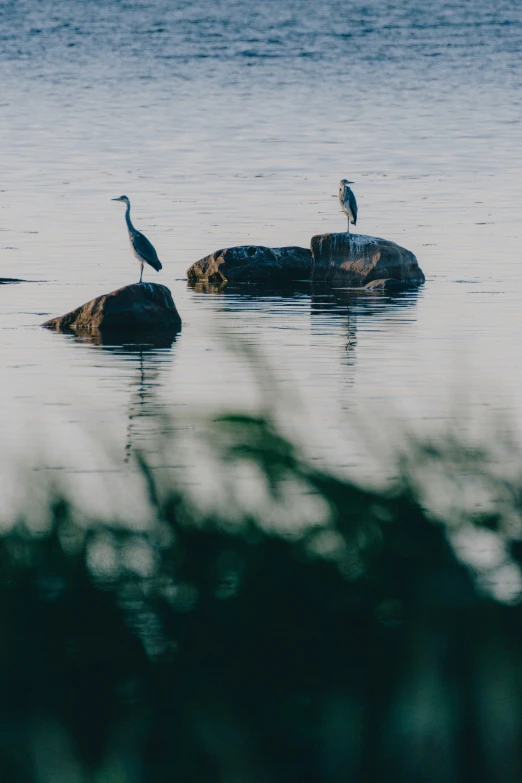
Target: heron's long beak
x=115 y=199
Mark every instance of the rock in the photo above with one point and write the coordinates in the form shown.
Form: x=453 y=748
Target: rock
x=252 y=264
x=389 y=284
x=7 y=280
x=356 y=260
x=138 y=309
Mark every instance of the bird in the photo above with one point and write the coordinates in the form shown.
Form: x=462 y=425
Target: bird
x=348 y=202
x=143 y=249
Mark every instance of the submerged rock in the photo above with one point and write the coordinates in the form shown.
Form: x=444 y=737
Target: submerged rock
x=388 y=284
x=252 y=264
x=356 y=260
x=138 y=309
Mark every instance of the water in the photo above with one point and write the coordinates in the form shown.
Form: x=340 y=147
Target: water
x=230 y=123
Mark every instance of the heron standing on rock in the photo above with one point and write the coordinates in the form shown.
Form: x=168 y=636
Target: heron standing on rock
x=348 y=202
x=143 y=250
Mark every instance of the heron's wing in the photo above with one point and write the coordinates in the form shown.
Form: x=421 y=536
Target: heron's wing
x=352 y=203
x=146 y=250
x=343 y=196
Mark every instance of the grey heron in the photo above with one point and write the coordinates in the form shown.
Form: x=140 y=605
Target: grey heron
x=348 y=202
x=143 y=250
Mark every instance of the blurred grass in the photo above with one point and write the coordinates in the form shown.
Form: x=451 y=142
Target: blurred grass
x=324 y=633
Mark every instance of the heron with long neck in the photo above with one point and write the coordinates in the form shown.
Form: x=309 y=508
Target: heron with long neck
x=348 y=202
x=143 y=249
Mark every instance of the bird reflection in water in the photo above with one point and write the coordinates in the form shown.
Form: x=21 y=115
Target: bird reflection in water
x=149 y=356
x=350 y=308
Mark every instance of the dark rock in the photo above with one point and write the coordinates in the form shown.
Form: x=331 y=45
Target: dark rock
x=7 y=280
x=356 y=260
x=252 y=264
x=138 y=309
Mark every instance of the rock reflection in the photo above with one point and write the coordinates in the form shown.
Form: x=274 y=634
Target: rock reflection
x=254 y=290
x=336 y=313
x=131 y=341
x=373 y=303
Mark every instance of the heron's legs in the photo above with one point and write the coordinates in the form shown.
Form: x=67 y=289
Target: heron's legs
x=348 y=230
x=141 y=275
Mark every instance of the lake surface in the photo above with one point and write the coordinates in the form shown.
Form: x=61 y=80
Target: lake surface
x=231 y=123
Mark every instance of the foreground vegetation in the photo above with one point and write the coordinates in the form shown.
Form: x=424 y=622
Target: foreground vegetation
x=373 y=637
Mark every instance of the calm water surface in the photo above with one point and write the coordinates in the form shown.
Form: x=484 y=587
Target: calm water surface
x=230 y=123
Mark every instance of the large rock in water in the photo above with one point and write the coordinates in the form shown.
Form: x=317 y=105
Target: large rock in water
x=252 y=264
x=141 y=308
x=356 y=260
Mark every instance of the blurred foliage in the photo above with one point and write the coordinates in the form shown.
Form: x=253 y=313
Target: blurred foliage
x=375 y=642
